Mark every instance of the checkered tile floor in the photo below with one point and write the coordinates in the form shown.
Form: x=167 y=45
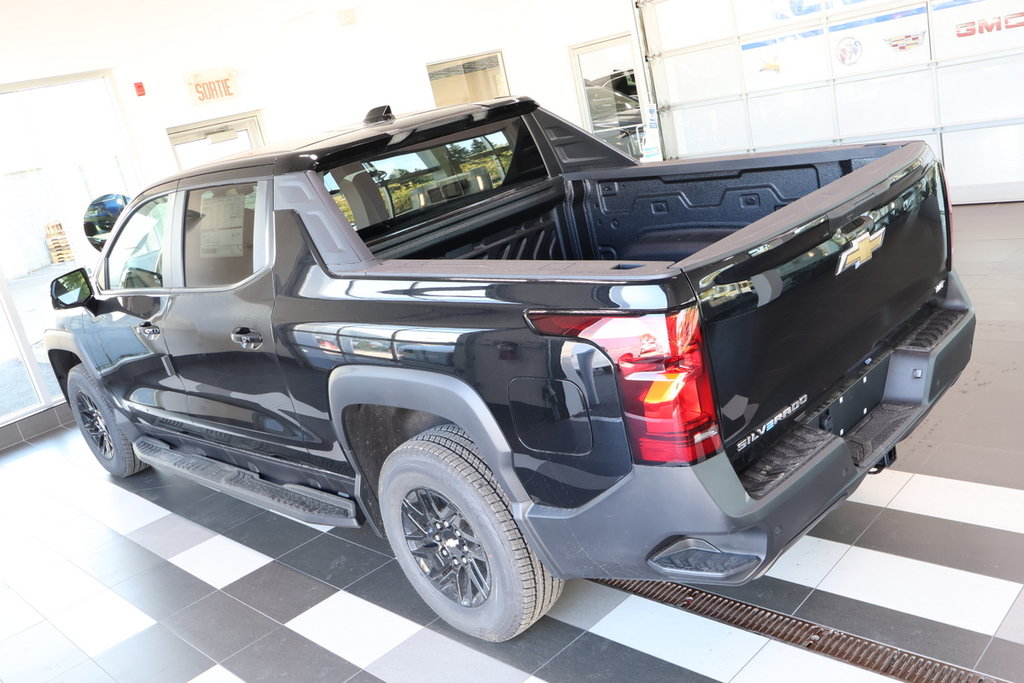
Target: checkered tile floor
x=154 y=578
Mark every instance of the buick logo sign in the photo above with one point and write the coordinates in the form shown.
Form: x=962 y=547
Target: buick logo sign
x=849 y=51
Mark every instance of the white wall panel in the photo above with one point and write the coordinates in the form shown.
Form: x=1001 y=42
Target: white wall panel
x=979 y=91
x=684 y=23
x=890 y=39
x=985 y=164
x=877 y=105
x=704 y=74
x=792 y=118
x=779 y=62
x=711 y=128
x=964 y=29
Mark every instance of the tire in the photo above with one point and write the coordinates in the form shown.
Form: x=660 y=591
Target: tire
x=480 y=577
x=99 y=425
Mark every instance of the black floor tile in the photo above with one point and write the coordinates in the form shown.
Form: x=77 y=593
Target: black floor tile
x=593 y=659
x=163 y=590
x=923 y=636
x=271 y=534
x=167 y=490
x=846 y=523
x=286 y=656
x=977 y=549
x=333 y=560
x=388 y=587
x=364 y=536
x=153 y=656
x=1004 y=659
x=528 y=651
x=220 y=512
x=768 y=592
x=219 y=625
x=280 y=592
x=117 y=560
x=364 y=676
x=981 y=465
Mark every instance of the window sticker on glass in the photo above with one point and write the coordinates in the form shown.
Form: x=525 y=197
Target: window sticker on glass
x=220 y=231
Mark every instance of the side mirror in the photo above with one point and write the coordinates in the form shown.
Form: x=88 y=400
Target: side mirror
x=71 y=290
x=100 y=217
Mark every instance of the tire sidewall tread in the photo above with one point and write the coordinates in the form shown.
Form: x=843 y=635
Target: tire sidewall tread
x=123 y=462
x=522 y=590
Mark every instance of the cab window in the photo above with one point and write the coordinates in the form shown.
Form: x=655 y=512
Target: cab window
x=136 y=257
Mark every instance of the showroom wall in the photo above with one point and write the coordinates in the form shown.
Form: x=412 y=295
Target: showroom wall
x=751 y=75
x=306 y=66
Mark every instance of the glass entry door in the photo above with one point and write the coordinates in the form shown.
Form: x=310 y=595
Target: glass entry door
x=63 y=145
x=607 y=87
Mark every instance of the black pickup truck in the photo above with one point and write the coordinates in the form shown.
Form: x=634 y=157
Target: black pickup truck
x=517 y=353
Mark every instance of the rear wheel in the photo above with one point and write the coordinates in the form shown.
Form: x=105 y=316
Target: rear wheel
x=98 y=424
x=452 y=530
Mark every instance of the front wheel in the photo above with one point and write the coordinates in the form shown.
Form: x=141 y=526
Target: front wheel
x=452 y=531
x=98 y=424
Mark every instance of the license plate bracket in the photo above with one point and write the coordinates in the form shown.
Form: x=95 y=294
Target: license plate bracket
x=856 y=401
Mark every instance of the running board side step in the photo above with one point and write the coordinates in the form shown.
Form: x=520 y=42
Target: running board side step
x=301 y=502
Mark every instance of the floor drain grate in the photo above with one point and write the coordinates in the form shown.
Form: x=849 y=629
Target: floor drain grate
x=867 y=654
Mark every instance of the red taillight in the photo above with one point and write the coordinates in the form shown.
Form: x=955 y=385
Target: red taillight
x=663 y=379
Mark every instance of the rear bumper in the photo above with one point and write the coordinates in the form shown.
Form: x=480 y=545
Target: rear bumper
x=699 y=524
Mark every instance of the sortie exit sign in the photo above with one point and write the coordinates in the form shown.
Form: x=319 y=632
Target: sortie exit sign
x=213 y=85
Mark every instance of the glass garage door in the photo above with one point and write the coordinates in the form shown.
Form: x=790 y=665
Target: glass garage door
x=63 y=145
x=746 y=75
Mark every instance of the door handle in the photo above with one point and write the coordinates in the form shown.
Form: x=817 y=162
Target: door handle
x=147 y=329
x=247 y=338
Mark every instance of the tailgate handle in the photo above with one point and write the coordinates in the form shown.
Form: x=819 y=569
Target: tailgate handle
x=247 y=338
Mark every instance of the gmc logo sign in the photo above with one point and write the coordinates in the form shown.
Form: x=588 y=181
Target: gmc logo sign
x=974 y=28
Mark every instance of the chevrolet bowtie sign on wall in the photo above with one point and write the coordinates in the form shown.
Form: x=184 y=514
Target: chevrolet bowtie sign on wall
x=860 y=250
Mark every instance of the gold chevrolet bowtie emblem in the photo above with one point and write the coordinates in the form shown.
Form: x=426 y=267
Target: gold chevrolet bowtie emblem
x=860 y=250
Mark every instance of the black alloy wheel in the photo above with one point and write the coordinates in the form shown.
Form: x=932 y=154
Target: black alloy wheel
x=446 y=548
x=94 y=426
x=106 y=436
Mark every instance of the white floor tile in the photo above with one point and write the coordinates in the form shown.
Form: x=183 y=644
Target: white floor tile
x=171 y=535
x=808 y=561
x=781 y=663
x=687 y=640
x=216 y=674
x=52 y=588
x=16 y=615
x=951 y=596
x=125 y=512
x=319 y=527
x=101 y=622
x=879 y=489
x=963 y=501
x=430 y=656
x=584 y=603
x=352 y=628
x=220 y=561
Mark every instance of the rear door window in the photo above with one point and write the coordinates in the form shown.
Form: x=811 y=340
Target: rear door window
x=222 y=235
